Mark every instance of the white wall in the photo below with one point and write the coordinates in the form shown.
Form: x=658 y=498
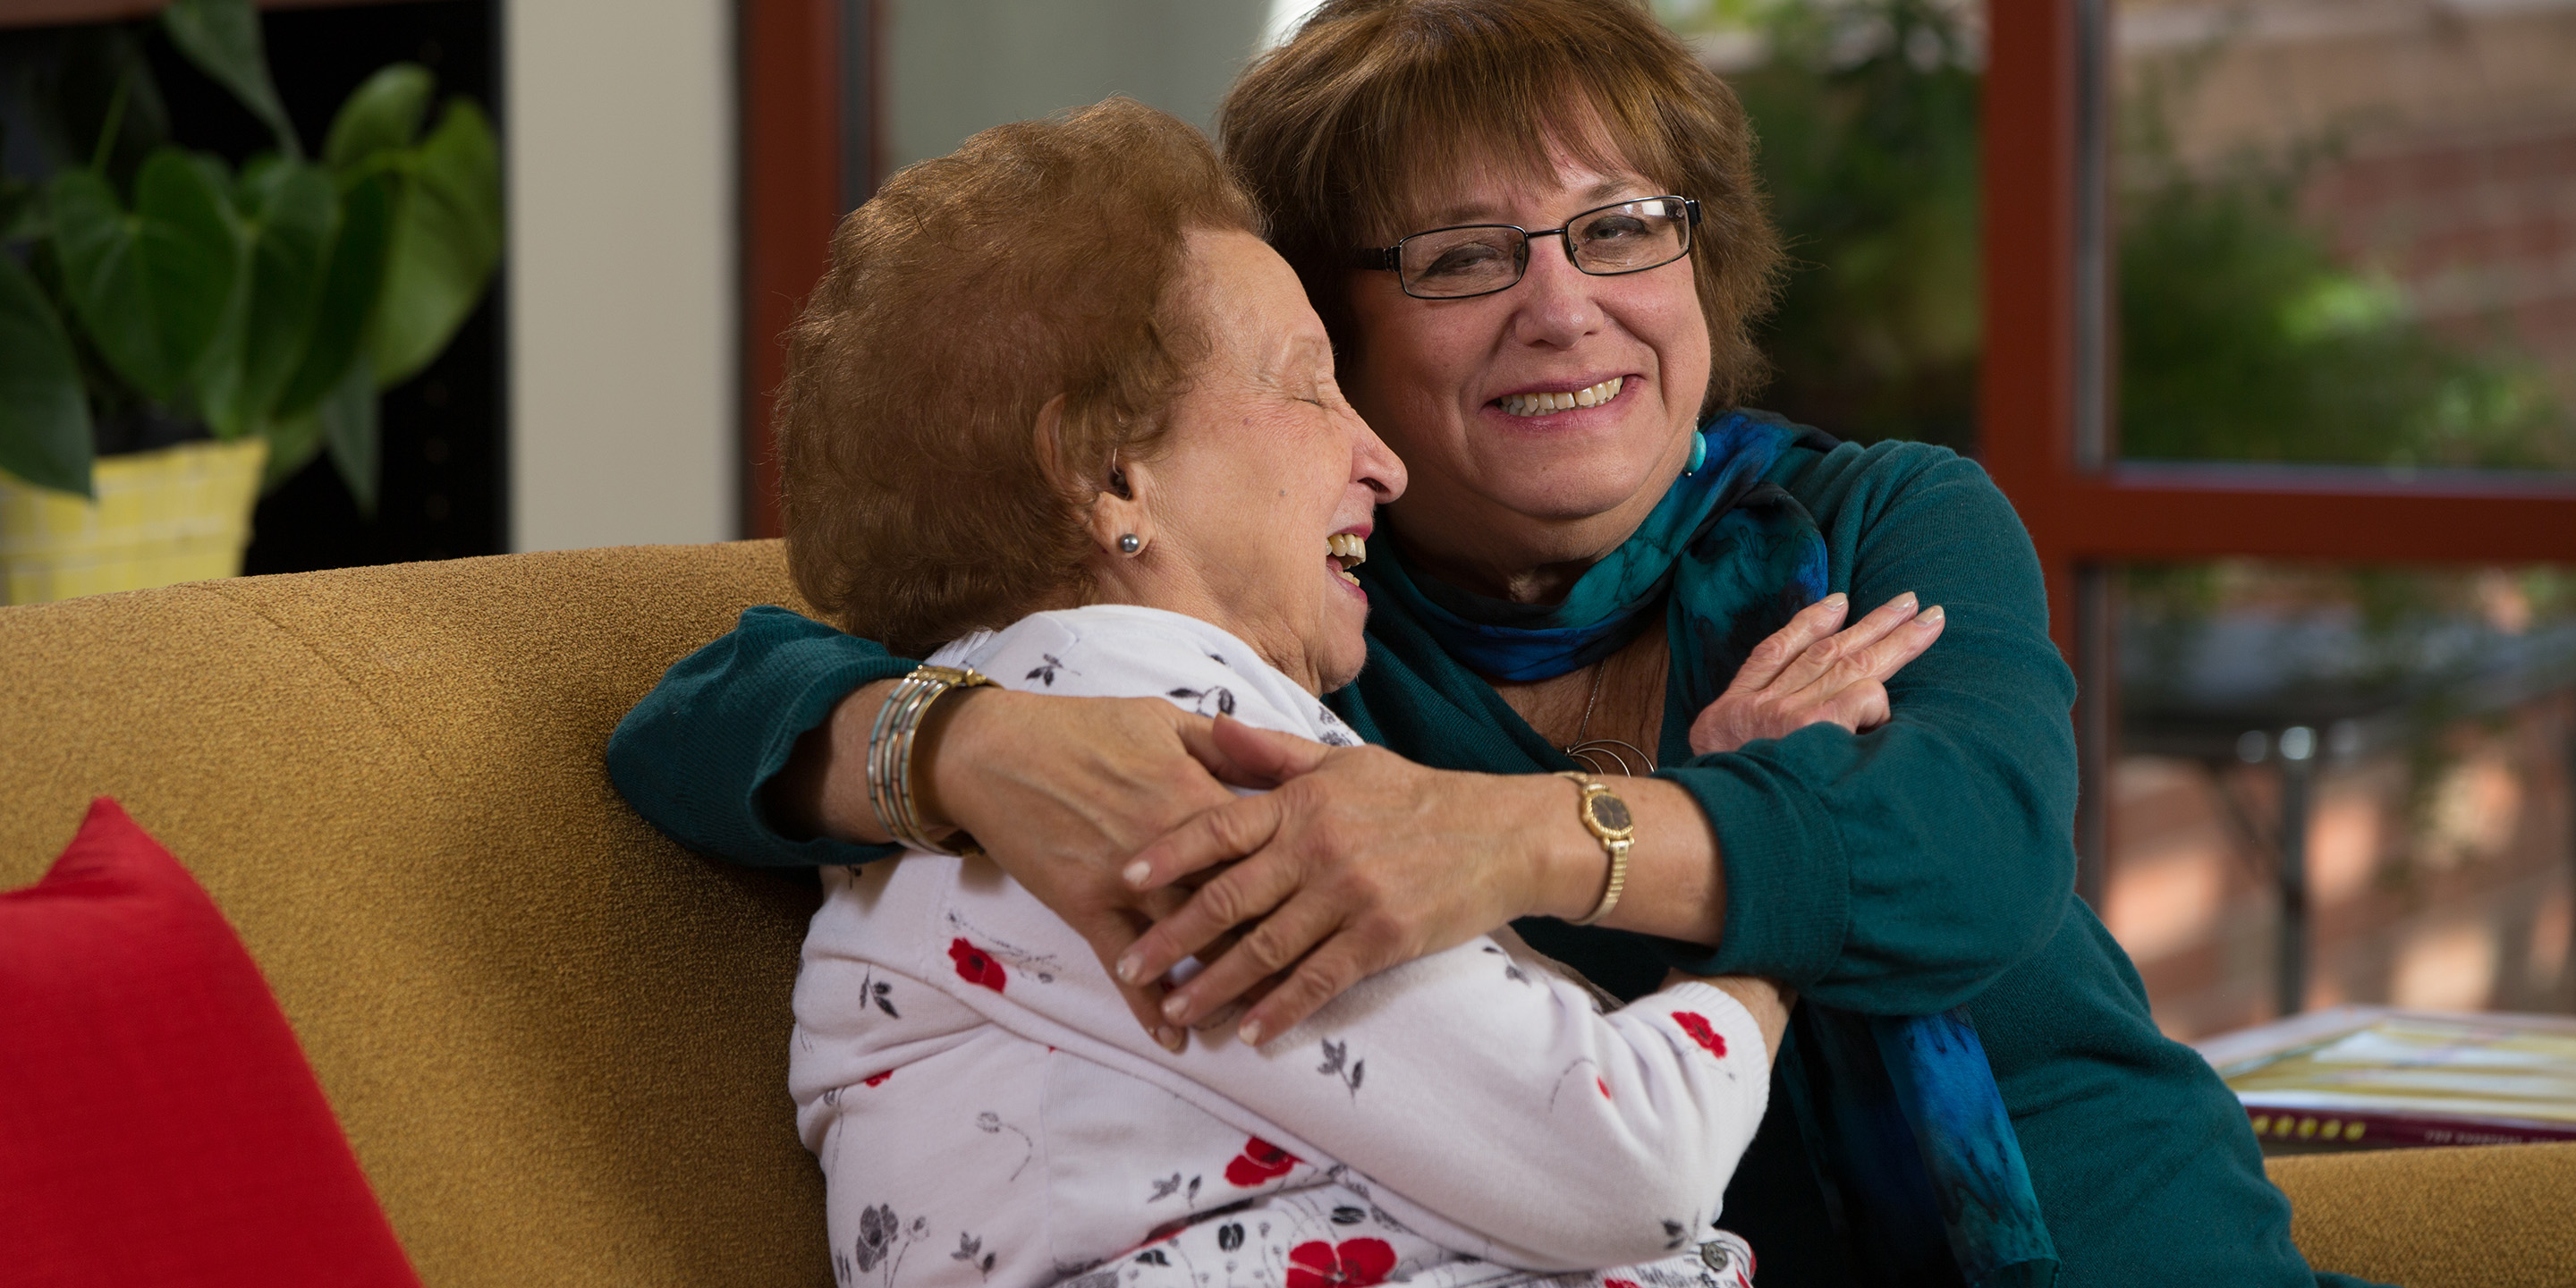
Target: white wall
x=620 y=154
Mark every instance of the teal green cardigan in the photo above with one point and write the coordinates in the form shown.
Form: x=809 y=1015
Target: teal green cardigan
x=1924 y=865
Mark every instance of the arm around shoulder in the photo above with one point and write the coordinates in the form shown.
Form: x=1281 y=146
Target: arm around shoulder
x=696 y=755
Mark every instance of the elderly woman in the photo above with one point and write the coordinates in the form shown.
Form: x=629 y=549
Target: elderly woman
x=1489 y=202
x=1161 y=460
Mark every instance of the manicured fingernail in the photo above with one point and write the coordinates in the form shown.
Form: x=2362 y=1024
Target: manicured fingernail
x=1906 y=599
x=1837 y=600
x=1170 y=1038
x=1250 y=1032
x=1176 y=1009
x=1136 y=872
x=1130 y=967
x=1929 y=617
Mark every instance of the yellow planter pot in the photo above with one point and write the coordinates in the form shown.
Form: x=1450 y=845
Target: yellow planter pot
x=178 y=514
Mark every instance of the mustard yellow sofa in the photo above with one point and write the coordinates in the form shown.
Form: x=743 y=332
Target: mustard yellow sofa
x=556 y=1040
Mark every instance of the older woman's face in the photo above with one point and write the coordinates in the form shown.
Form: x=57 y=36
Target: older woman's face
x=1499 y=483
x=1265 y=463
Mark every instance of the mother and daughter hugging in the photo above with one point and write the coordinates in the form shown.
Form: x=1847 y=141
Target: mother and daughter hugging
x=1391 y=790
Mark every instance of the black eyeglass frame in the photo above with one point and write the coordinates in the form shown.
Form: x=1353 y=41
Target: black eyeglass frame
x=1391 y=258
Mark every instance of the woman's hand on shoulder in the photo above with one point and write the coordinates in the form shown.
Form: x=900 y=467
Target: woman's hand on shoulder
x=1809 y=673
x=1358 y=861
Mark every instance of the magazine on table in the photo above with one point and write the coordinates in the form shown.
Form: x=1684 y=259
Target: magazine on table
x=2369 y=1077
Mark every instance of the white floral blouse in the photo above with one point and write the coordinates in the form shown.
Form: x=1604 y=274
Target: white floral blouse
x=987 y=1112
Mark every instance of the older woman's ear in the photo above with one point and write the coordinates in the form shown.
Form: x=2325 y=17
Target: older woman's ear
x=1114 y=508
x=1118 y=520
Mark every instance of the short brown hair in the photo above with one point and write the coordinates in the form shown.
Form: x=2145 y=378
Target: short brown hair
x=1333 y=131
x=1042 y=258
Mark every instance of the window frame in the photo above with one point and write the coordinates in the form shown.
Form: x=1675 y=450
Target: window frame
x=2047 y=430
x=794 y=122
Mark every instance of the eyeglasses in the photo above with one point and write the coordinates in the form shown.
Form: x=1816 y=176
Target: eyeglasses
x=1480 y=259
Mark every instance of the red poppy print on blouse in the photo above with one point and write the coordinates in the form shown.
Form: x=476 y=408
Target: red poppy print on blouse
x=1260 y=1161
x=1693 y=1024
x=1354 y=1263
x=975 y=966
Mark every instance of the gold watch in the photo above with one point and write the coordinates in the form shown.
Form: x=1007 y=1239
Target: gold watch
x=1607 y=818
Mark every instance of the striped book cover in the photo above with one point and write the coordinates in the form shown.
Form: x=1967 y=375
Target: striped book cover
x=2368 y=1077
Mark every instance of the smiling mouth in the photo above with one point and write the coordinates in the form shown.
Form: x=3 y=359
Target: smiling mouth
x=1345 y=551
x=1540 y=404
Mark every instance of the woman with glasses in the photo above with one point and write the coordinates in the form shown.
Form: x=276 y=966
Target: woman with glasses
x=1531 y=229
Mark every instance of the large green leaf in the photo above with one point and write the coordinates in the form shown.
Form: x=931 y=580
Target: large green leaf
x=380 y=116
x=348 y=418
x=222 y=38
x=291 y=209
x=349 y=287
x=152 y=286
x=257 y=182
x=446 y=242
x=44 y=416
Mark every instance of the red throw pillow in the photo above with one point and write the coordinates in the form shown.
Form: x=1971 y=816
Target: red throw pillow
x=158 y=1124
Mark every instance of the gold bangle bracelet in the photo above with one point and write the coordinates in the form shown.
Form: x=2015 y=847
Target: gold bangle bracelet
x=890 y=743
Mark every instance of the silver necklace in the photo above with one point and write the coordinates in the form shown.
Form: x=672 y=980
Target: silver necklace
x=1593 y=751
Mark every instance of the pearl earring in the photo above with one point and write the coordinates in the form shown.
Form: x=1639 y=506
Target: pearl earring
x=1128 y=543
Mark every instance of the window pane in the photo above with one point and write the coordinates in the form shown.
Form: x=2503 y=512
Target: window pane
x=2346 y=233
x=1867 y=115
x=957 y=66
x=2429 y=719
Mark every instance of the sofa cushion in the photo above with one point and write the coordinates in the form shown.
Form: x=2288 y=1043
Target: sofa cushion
x=158 y=1123
x=556 y=1040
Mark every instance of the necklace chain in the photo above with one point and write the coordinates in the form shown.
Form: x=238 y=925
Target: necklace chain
x=1600 y=673
x=1592 y=751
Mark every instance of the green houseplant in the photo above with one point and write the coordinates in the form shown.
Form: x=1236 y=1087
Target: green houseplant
x=269 y=305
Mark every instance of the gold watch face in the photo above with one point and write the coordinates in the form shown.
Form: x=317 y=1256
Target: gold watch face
x=1608 y=813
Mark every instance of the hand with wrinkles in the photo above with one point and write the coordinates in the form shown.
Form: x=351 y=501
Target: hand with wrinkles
x=1809 y=673
x=1361 y=860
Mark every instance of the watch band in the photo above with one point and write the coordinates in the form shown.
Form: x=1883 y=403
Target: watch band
x=1607 y=818
x=890 y=742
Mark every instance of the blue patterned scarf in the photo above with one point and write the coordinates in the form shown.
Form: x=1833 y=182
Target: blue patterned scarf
x=1901 y=1116
x=1732 y=559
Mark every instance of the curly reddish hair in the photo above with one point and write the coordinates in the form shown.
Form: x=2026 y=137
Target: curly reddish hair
x=1043 y=258
x=1347 y=133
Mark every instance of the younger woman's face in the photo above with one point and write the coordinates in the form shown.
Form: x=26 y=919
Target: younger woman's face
x=1502 y=483
x=1250 y=502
